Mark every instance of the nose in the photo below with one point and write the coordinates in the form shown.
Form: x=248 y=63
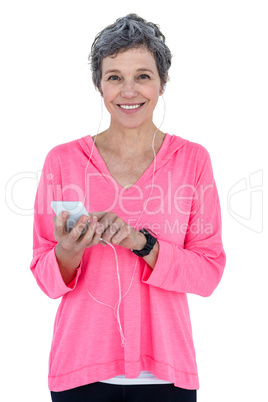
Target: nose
x=129 y=90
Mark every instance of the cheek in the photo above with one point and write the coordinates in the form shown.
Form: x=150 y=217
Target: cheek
x=108 y=92
x=154 y=95
x=107 y=95
x=154 y=91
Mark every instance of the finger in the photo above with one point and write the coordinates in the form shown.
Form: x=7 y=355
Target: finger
x=87 y=238
x=98 y=214
x=118 y=237
x=113 y=229
x=79 y=227
x=96 y=237
x=109 y=233
x=122 y=235
x=60 y=222
x=108 y=225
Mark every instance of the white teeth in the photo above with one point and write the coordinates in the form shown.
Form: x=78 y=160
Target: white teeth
x=130 y=106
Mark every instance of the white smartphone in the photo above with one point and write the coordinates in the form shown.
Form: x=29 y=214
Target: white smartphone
x=75 y=208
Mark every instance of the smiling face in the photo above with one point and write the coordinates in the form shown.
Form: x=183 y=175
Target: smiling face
x=130 y=87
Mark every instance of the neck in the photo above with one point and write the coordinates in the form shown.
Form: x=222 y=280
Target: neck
x=125 y=141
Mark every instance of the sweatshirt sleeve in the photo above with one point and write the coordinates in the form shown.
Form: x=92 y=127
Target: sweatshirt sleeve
x=44 y=265
x=198 y=265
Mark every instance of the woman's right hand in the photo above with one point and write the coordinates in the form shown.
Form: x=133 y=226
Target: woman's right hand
x=71 y=245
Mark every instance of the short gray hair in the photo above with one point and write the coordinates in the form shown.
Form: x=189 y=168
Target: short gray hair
x=126 y=33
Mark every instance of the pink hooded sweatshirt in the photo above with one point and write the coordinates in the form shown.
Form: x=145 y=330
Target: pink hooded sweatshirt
x=152 y=316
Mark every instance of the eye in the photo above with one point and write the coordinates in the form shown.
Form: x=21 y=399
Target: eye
x=144 y=76
x=113 y=78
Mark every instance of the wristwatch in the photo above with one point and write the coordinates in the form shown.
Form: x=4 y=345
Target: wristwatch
x=151 y=240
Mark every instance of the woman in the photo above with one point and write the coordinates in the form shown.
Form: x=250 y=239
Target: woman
x=122 y=331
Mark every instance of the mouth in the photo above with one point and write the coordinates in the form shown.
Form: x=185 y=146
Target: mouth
x=131 y=106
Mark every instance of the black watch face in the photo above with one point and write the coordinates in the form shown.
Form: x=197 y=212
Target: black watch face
x=151 y=240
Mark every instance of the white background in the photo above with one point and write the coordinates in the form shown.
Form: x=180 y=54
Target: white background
x=217 y=96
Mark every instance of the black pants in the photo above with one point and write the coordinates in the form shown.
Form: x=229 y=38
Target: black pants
x=103 y=392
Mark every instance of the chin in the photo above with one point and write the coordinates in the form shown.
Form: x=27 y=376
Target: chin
x=129 y=123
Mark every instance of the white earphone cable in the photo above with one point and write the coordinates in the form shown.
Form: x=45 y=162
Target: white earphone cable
x=117 y=305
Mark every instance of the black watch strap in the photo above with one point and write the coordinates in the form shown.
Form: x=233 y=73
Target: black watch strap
x=151 y=240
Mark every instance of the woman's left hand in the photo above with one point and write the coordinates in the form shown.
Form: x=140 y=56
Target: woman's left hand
x=115 y=231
